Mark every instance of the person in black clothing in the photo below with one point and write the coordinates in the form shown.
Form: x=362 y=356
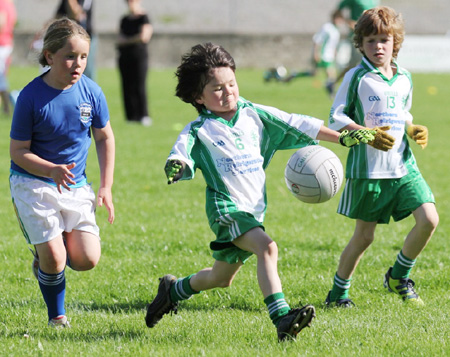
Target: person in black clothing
x=134 y=36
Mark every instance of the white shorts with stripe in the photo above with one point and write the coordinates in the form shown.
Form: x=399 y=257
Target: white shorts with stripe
x=44 y=213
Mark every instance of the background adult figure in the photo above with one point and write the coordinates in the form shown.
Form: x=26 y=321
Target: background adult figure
x=81 y=12
x=7 y=21
x=132 y=44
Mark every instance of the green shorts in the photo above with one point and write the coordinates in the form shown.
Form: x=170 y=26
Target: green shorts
x=227 y=228
x=376 y=200
x=325 y=64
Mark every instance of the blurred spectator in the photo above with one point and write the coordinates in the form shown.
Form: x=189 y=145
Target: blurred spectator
x=7 y=21
x=355 y=8
x=325 y=44
x=132 y=44
x=81 y=12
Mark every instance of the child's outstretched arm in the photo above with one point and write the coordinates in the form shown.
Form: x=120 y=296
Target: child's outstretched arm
x=174 y=170
x=381 y=139
x=347 y=138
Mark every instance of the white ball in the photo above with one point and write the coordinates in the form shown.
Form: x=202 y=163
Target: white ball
x=314 y=174
x=281 y=71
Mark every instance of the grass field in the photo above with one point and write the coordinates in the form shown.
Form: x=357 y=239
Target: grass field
x=162 y=229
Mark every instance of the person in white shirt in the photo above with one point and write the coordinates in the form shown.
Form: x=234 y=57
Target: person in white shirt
x=232 y=141
x=378 y=94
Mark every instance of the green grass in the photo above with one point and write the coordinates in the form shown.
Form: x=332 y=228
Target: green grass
x=162 y=229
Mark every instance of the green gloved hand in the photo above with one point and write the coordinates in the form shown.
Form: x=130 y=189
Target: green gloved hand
x=174 y=170
x=351 y=138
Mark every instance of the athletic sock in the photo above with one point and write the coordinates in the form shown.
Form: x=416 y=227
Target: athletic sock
x=53 y=288
x=182 y=290
x=277 y=306
x=402 y=267
x=340 y=288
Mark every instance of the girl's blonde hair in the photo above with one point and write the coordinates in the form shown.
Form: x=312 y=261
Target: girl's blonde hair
x=380 y=20
x=57 y=34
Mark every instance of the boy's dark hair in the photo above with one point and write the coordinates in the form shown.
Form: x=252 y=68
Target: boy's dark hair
x=380 y=20
x=194 y=71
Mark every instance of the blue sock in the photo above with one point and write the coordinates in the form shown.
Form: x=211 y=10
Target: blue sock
x=53 y=288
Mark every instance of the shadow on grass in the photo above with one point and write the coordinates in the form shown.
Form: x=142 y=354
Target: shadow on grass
x=136 y=306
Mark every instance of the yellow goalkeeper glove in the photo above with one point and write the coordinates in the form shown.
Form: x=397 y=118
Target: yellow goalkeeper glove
x=382 y=141
x=419 y=134
x=351 y=138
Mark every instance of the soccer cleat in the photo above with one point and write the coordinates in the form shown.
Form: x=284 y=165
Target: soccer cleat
x=161 y=304
x=59 y=322
x=35 y=263
x=403 y=287
x=292 y=323
x=344 y=303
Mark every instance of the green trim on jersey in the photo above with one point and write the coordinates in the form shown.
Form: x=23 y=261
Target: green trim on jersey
x=279 y=135
x=357 y=155
x=358 y=160
x=217 y=193
x=233 y=155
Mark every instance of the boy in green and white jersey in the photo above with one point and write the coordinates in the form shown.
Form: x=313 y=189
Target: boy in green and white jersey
x=377 y=94
x=325 y=44
x=232 y=141
x=355 y=8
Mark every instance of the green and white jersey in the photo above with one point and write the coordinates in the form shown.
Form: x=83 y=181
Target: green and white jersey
x=233 y=155
x=328 y=39
x=368 y=98
x=357 y=7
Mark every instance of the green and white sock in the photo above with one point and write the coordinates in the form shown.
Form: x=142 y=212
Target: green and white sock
x=340 y=288
x=277 y=306
x=182 y=290
x=402 y=267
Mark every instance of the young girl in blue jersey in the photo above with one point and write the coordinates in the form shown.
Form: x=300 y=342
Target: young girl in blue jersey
x=378 y=94
x=232 y=142
x=53 y=121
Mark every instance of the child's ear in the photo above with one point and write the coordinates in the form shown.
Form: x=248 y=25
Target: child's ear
x=199 y=101
x=48 y=56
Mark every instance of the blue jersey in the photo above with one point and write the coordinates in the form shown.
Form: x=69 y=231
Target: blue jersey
x=58 y=123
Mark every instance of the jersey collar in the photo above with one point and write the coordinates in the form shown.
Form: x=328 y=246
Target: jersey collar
x=207 y=114
x=371 y=68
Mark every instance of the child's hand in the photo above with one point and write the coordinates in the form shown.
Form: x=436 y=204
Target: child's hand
x=419 y=134
x=62 y=176
x=174 y=170
x=354 y=137
x=382 y=141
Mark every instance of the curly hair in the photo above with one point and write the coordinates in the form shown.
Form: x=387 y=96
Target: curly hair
x=194 y=72
x=380 y=20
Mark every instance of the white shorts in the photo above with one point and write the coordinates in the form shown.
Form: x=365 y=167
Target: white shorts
x=44 y=213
